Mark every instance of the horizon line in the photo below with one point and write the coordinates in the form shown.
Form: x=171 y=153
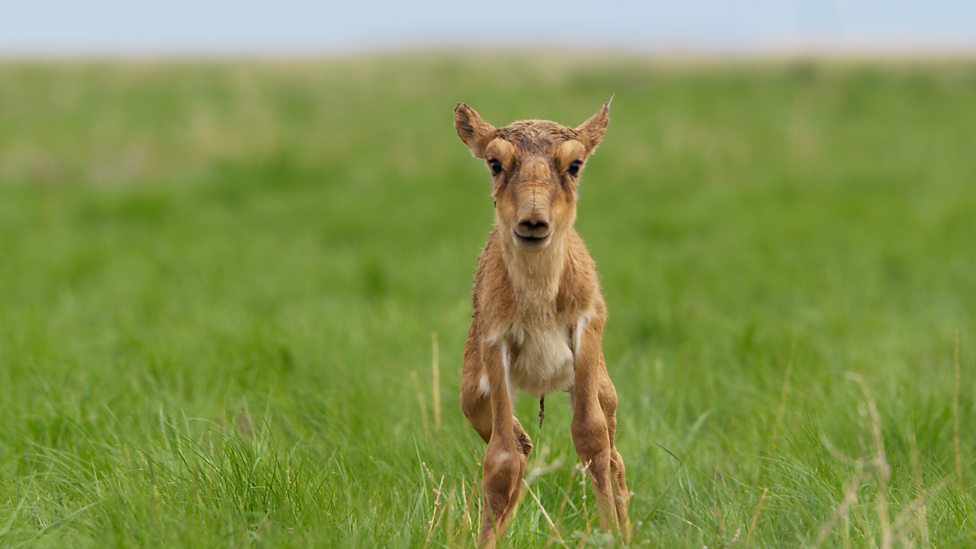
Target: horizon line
x=768 y=48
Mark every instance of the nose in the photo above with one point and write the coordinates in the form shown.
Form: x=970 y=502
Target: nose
x=533 y=227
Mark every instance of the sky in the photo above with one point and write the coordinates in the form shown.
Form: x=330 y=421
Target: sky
x=201 y=27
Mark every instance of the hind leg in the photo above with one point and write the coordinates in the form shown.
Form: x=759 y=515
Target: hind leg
x=618 y=479
x=476 y=405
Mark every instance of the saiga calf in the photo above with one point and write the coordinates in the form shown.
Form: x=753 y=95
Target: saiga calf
x=538 y=313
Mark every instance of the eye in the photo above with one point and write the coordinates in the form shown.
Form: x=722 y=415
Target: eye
x=495 y=166
x=574 y=168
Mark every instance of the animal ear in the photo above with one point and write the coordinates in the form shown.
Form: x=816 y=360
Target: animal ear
x=472 y=129
x=590 y=133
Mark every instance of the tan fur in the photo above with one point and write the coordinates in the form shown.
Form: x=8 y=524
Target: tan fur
x=538 y=313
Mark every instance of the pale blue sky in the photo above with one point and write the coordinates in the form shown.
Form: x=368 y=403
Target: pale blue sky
x=133 y=27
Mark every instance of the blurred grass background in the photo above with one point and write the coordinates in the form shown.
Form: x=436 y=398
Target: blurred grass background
x=220 y=281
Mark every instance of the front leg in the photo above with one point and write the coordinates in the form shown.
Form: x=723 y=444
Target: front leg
x=594 y=426
x=508 y=449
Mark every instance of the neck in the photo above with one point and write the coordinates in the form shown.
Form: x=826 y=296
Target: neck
x=535 y=273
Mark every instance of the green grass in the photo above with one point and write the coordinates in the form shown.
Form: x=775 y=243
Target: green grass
x=219 y=279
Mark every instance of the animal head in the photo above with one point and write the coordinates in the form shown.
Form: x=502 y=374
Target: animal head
x=535 y=166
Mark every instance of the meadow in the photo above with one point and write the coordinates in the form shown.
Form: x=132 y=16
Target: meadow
x=233 y=297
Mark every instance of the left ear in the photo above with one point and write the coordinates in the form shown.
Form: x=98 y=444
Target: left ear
x=590 y=133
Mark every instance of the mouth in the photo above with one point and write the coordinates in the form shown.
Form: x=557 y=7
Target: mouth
x=531 y=240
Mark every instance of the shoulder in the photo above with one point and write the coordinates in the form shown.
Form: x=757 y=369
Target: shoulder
x=491 y=281
x=580 y=292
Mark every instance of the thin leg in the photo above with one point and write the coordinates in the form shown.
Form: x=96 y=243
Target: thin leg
x=594 y=427
x=592 y=441
x=477 y=408
x=508 y=444
x=618 y=478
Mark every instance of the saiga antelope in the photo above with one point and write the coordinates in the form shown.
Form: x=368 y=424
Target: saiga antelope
x=538 y=313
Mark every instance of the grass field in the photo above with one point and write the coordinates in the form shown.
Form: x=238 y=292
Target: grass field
x=221 y=282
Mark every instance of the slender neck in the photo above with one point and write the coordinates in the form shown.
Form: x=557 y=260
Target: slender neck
x=535 y=273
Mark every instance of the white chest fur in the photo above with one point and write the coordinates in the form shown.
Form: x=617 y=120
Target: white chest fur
x=543 y=359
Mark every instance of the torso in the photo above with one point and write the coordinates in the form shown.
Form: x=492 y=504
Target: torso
x=534 y=311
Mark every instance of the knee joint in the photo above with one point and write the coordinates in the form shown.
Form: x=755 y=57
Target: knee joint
x=501 y=473
x=591 y=437
x=525 y=443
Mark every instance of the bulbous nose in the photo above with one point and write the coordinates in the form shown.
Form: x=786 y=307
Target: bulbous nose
x=533 y=227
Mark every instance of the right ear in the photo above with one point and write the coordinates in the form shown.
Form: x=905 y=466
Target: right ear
x=472 y=129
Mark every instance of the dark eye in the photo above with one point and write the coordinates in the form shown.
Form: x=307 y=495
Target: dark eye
x=574 y=168
x=495 y=165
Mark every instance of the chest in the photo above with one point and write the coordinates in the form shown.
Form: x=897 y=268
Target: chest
x=541 y=358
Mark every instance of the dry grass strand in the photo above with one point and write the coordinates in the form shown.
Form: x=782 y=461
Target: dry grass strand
x=435 y=380
x=755 y=516
x=957 y=446
x=421 y=402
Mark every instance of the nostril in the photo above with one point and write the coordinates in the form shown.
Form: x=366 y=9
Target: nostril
x=533 y=225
